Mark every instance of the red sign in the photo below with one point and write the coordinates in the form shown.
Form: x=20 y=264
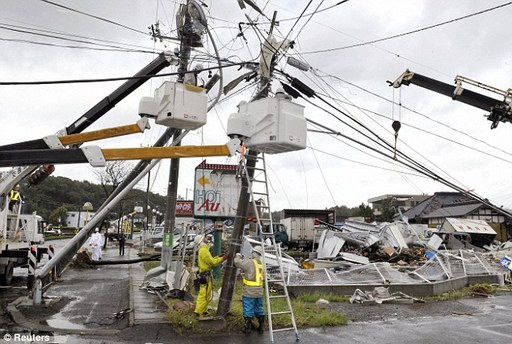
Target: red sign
x=185 y=208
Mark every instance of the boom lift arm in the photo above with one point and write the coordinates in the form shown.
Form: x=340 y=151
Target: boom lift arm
x=499 y=110
x=97 y=157
x=103 y=106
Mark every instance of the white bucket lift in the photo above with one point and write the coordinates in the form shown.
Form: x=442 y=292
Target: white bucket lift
x=176 y=105
x=270 y=125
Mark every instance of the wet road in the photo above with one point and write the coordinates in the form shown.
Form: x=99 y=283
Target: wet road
x=492 y=325
x=97 y=293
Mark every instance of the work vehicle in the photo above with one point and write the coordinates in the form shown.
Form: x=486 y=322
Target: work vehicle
x=301 y=228
x=19 y=234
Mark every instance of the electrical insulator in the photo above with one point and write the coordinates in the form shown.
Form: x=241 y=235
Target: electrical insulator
x=41 y=174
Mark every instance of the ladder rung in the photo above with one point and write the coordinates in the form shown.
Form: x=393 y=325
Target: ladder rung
x=278 y=313
x=284 y=329
x=277 y=297
x=275 y=280
x=270 y=250
x=255 y=168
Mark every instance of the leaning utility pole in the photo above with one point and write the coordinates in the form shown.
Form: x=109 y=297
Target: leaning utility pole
x=172 y=187
x=228 y=283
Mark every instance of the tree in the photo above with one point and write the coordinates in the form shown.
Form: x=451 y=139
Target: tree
x=387 y=210
x=59 y=215
x=343 y=212
x=113 y=174
x=110 y=178
x=365 y=211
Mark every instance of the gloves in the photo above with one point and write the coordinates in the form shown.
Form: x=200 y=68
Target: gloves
x=225 y=256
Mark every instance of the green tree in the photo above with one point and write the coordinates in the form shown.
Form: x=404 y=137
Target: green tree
x=364 y=210
x=387 y=210
x=343 y=212
x=58 y=215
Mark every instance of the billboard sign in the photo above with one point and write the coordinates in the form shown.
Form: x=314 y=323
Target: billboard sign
x=216 y=190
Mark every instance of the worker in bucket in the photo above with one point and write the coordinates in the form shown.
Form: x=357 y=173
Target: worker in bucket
x=252 y=290
x=14 y=198
x=205 y=262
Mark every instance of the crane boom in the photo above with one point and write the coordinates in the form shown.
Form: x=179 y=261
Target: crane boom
x=499 y=110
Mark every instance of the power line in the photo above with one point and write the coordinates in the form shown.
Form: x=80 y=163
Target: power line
x=313 y=13
x=75 y=81
x=75 y=46
x=108 y=46
x=424 y=116
x=410 y=32
x=407 y=161
x=45 y=32
x=95 y=17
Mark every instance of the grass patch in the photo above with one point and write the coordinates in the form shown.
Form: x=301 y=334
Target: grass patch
x=307 y=313
x=150 y=264
x=471 y=291
x=313 y=297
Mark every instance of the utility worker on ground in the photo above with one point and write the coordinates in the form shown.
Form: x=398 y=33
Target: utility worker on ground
x=252 y=290
x=14 y=197
x=205 y=262
x=96 y=242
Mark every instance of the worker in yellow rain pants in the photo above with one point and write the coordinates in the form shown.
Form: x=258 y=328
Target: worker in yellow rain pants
x=205 y=262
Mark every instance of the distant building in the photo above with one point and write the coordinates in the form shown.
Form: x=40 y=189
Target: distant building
x=403 y=202
x=435 y=209
x=78 y=219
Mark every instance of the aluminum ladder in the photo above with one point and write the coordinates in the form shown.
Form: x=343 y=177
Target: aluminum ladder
x=271 y=251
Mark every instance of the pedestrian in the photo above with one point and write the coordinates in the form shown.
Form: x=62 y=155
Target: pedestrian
x=14 y=198
x=96 y=242
x=252 y=290
x=205 y=262
x=122 y=240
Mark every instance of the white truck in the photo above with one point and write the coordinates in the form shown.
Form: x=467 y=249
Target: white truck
x=19 y=233
x=302 y=228
x=300 y=231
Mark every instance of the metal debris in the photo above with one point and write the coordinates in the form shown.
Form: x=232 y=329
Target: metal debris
x=380 y=295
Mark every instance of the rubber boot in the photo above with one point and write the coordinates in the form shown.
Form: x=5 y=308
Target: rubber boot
x=247 y=325
x=261 y=322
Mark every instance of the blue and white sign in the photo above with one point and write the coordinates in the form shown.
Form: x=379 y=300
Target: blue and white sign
x=506 y=262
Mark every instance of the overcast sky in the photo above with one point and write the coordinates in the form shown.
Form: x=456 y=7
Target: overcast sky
x=449 y=137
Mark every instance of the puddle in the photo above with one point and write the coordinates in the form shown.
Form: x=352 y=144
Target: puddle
x=61 y=323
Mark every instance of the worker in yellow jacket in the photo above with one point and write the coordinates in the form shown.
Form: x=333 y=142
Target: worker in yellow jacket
x=252 y=290
x=205 y=262
x=14 y=198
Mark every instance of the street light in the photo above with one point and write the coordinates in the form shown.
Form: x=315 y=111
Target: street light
x=87 y=207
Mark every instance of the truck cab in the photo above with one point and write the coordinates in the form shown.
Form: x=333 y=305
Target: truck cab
x=280 y=234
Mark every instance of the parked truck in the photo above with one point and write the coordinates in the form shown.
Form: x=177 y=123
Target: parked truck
x=20 y=234
x=301 y=228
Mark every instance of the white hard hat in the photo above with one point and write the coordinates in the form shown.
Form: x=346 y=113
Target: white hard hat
x=97 y=229
x=198 y=239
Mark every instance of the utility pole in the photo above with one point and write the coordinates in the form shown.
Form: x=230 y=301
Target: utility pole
x=172 y=187
x=228 y=283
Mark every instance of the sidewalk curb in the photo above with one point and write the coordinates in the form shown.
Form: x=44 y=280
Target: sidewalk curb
x=131 y=315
